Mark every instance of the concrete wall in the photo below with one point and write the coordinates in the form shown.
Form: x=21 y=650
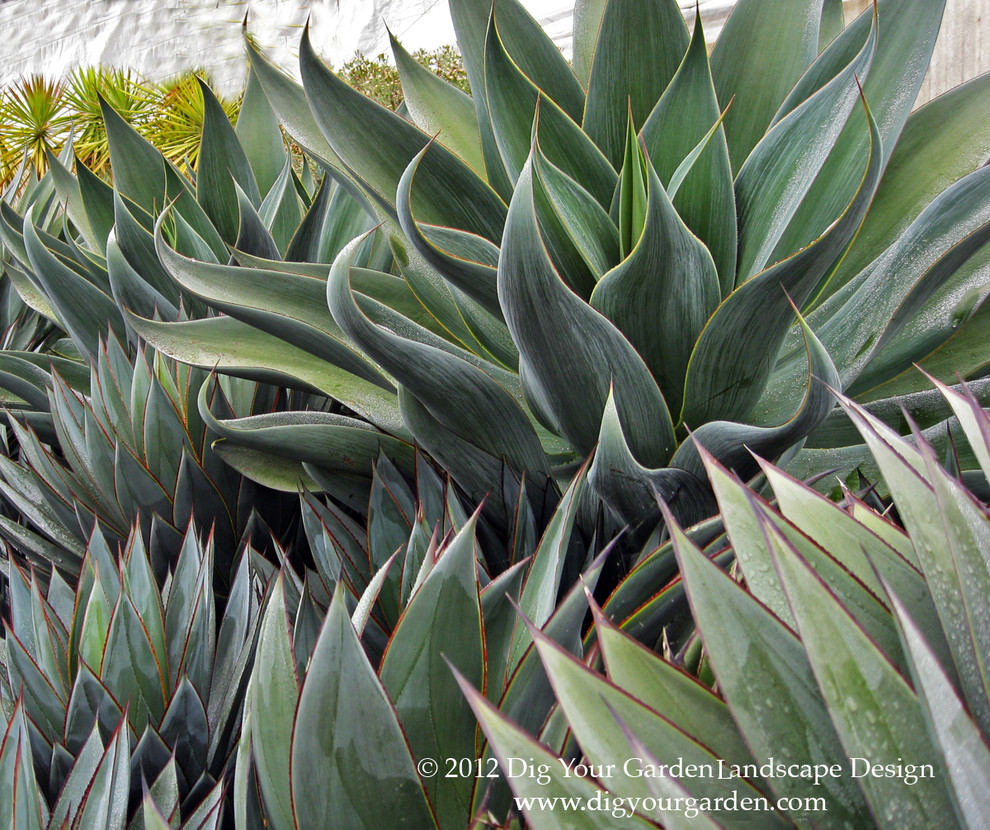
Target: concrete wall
x=162 y=37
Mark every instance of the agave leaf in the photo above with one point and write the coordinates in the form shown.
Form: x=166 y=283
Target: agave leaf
x=231 y=346
x=259 y=136
x=67 y=187
x=587 y=699
x=832 y=23
x=873 y=708
x=77 y=784
x=637 y=52
x=947 y=549
x=467 y=260
x=722 y=379
x=579 y=235
x=537 y=796
x=338 y=775
x=632 y=490
x=333 y=219
x=222 y=164
x=440 y=108
x=782 y=168
x=972 y=419
x=903 y=52
x=485 y=414
x=867 y=556
x=765 y=677
x=105 y=804
x=441 y=623
x=967 y=759
x=670 y=691
x=21 y=804
x=761 y=52
x=381 y=164
x=680 y=120
x=286 y=306
x=940 y=144
x=83 y=309
x=587 y=20
x=273 y=694
x=662 y=293
x=281 y=209
x=97 y=201
x=515 y=101
x=573 y=335
x=139 y=169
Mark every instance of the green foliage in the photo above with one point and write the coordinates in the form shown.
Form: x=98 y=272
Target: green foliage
x=379 y=79
x=837 y=636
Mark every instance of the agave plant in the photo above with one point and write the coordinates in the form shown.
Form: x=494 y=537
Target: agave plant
x=122 y=702
x=609 y=254
x=846 y=653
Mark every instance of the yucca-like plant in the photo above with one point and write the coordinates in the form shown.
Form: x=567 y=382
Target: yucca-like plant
x=122 y=701
x=349 y=705
x=840 y=642
x=609 y=254
x=124 y=443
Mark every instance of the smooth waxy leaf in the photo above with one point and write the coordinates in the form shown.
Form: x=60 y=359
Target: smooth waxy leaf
x=587 y=20
x=259 y=136
x=967 y=759
x=441 y=625
x=875 y=712
x=83 y=309
x=222 y=163
x=138 y=168
x=338 y=775
x=448 y=191
x=440 y=108
x=733 y=358
x=637 y=51
x=941 y=143
x=905 y=40
x=555 y=329
x=764 y=675
x=515 y=101
x=437 y=374
x=761 y=52
x=508 y=741
x=633 y=490
x=231 y=346
x=682 y=117
x=288 y=306
x=782 y=168
x=662 y=293
x=274 y=693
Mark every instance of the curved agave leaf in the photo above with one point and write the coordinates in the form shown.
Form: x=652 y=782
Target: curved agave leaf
x=259 y=136
x=941 y=143
x=233 y=347
x=633 y=490
x=449 y=192
x=222 y=166
x=905 y=40
x=637 y=51
x=723 y=381
x=461 y=395
x=732 y=443
x=761 y=52
x=663 y=292
x=467 y=260
x=783 y=167
x=515 y=101
x=559 y=336
x=681 y=118
x=288 y=306
x=440 y=108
